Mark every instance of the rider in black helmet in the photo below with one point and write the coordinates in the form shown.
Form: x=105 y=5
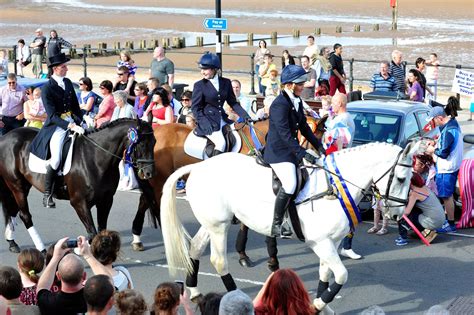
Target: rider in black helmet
x=209 y=96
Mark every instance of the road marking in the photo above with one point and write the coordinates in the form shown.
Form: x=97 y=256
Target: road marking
x=137 y=261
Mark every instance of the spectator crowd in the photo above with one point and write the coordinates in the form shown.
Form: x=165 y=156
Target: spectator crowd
x=57 y=283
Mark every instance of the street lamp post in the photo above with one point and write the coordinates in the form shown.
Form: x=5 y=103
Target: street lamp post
x=219 y=34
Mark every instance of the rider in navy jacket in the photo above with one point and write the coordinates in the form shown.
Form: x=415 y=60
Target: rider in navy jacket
x=63 y=111
x=282 y=150
x=209 y=95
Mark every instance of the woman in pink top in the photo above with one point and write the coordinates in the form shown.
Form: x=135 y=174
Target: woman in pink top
x=106 y=108
x=160 y=109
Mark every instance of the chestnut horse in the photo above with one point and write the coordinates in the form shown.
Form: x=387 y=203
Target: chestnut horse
x=169 y=155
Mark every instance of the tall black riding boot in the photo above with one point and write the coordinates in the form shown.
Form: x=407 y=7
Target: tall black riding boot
x=281 y=205
x=48 y=200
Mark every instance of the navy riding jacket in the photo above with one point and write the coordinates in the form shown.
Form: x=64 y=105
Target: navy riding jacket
x=56 y=102
x=282 y=138
x=207 y=105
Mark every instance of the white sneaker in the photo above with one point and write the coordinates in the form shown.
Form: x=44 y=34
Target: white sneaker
x=349 y=253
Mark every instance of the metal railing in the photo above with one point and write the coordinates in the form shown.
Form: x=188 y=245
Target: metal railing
x=86 y=52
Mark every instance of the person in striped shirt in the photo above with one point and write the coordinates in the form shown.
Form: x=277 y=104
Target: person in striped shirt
x=383 y=81
x=397 y=70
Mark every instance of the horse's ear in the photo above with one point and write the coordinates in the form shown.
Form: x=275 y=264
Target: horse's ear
x=323 y=120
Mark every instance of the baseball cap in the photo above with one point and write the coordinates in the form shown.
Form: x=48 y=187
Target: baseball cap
x=435 y=111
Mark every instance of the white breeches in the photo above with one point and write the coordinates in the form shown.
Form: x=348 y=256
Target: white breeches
x=217 y=137
x=56 y=147
x=286 y=172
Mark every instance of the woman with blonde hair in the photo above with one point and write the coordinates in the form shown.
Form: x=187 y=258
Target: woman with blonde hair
x=30 y=263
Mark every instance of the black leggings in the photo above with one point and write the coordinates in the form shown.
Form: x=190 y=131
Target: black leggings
x=403 y=226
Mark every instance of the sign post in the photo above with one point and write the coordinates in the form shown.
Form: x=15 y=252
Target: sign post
x=219 y=34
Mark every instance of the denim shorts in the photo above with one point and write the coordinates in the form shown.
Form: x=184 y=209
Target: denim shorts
x=446 y=184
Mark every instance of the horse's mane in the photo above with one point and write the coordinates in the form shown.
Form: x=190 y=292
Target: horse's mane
x=360 y=147
x=108 y=124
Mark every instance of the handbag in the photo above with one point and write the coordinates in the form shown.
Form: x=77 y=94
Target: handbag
x=27 y=61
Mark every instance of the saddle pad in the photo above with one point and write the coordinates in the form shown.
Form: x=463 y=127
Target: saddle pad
x=316 y=184
x=195 y=145
x=38 y=165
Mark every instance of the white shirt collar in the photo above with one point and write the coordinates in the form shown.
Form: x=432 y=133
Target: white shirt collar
x=58 y=79
x=215 y=82
x=293 y=98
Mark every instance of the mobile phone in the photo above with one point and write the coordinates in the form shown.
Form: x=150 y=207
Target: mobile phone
x=181 y=285
x=71 y=243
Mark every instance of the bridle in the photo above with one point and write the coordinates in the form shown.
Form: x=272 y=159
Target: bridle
x=127 y=158
x=391 y=172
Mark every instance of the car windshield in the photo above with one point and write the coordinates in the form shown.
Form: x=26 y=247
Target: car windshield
x=371 y=127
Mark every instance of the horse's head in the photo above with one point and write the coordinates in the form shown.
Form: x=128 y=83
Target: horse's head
x=140 y=149
x=395 y=181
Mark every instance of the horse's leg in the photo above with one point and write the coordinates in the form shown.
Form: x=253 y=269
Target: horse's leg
x=20 y=196
x=103 y=210
x=272 y=251
x=219 y=255
x=240 y=244
x=197 y=247
x=327 y=252
x=84 y=213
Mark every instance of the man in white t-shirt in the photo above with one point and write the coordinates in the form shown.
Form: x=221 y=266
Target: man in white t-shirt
x=311 y=50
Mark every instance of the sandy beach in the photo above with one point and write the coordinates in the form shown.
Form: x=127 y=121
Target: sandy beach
x=428 y=26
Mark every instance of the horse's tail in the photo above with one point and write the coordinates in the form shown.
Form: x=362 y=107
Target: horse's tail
x=175 y=237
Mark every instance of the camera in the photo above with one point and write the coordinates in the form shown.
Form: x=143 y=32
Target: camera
x=181 y=285
x=71 y=243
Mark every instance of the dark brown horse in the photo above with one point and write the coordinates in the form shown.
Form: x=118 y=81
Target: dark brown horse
x=169 y=155
x=92 y=180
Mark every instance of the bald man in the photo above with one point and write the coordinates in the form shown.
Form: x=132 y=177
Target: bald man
x=70 y=300
x=161 y=67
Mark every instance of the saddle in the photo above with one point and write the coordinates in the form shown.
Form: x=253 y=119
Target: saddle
x=230 y=141
x=302 y=177
x=202 y=148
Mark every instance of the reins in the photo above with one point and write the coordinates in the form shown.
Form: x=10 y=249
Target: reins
x=146 y=162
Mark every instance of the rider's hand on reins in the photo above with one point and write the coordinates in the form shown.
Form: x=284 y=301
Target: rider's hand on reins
x=77 y=129
x=310 y=156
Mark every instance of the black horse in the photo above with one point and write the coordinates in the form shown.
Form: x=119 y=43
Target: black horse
x=91 y=181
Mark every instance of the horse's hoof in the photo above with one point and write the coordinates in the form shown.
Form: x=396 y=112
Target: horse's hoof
x=14 y=248
x=273 y=264
x=138 y=247
x=197 y=299
x=246 y=262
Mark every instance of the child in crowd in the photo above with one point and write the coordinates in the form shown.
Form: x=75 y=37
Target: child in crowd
x=126 y=60
x=272 y=83
x=377 y=229
x=30 y=263
x=34 y=111
x=326 y=107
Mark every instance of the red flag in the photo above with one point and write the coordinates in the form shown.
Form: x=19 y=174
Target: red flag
x=393 y=3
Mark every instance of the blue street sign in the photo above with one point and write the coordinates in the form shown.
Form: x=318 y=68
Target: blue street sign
x=215 y=24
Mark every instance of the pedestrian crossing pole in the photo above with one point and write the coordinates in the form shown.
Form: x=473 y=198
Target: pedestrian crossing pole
x=219 y=35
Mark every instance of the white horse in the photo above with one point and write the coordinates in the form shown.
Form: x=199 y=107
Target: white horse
x=233 y=184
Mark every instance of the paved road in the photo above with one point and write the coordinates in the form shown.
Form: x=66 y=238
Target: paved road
x=401 y=280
